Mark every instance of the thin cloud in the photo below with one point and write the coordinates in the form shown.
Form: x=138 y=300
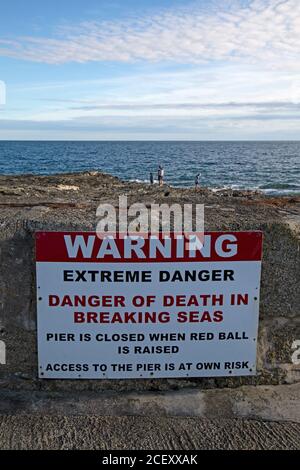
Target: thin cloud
x=189 y=106
x=265 y=30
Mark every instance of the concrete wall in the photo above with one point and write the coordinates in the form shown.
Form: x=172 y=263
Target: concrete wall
x=279 y=313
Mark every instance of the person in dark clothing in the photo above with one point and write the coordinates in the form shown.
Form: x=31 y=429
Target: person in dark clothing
x=197 y=181
x=160 y=174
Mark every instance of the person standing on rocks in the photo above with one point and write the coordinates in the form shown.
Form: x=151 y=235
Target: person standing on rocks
x=151 y=178
x=197 y=181
x=160 y=174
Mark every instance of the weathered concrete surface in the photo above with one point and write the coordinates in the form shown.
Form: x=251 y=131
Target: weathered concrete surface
x=68 y=202
x=130 y=433
x=276 y=403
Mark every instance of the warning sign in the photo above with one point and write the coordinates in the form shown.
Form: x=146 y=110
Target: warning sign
x=147 y=307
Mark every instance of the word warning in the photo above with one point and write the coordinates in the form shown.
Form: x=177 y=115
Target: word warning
x=147 y=307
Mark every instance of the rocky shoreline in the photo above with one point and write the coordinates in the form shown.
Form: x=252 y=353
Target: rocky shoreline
x=27 y=195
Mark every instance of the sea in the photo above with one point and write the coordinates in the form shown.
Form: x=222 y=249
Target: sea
x=271 y=167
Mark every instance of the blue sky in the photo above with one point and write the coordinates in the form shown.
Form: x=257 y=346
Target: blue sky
x=150 y=69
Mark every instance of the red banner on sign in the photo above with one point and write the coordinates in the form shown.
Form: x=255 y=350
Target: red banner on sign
x=88 y=247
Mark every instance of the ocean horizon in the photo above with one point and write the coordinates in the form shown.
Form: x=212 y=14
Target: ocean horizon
x=272 y=167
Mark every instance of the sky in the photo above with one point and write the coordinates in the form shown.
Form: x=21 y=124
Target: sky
x=150 y=70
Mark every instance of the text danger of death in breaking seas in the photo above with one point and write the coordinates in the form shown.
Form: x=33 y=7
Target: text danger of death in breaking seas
x=144 y=307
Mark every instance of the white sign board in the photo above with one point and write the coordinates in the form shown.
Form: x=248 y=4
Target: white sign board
x=147 y=307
